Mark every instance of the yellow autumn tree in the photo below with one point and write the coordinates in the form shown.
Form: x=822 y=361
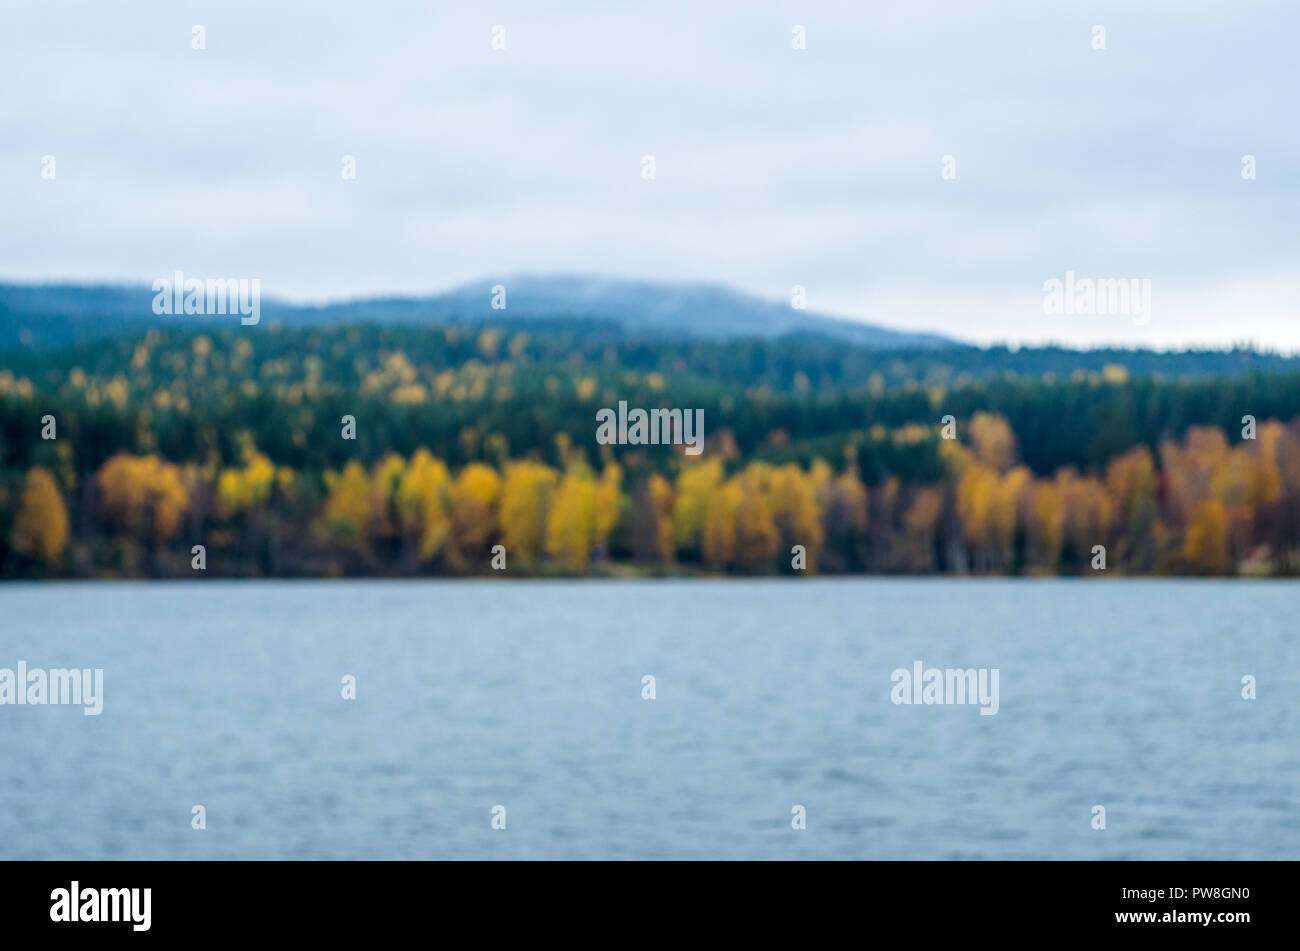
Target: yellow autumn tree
x=1265 y=480
x=659 y=496
x=571 y=524
x=1131 y=484
x=609 y=503
x=718 y=537
x=40 y=529
x=696 y=485
x=845 y=513
x=246 y=488
x=976 y=496
x=347 y=504
x=474 y=496
x=1008 y=507
x=383 y=515
x=792 y=502
x=739 y=531
x=993 y=441
x=422 y=503
x=525 y=498
x=1131 y=478
x=144 y=496
x=1046 y=525
x=1086 y=512
x=1189 y=469
x=1206 y=544
x=920 y=523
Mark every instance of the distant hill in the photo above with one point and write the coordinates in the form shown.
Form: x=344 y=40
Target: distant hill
x=42 y=315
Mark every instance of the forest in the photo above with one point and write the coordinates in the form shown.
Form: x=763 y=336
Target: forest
x=119 y=456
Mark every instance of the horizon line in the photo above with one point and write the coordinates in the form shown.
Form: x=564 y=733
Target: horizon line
x=303 y=302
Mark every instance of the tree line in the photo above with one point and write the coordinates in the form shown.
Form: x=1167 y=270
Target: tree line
x=471 y=440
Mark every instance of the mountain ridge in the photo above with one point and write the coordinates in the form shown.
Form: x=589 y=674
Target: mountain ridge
x=53 y=313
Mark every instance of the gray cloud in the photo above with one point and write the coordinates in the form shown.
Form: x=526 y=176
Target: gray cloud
x=775 y=167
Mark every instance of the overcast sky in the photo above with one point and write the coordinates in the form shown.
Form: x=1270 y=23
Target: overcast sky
x=774 y=166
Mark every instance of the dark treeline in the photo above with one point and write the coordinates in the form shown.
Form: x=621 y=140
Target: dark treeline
x=782 y=364
x=471 y=396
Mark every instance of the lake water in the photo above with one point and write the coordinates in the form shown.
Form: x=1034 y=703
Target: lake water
x=769 y=694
